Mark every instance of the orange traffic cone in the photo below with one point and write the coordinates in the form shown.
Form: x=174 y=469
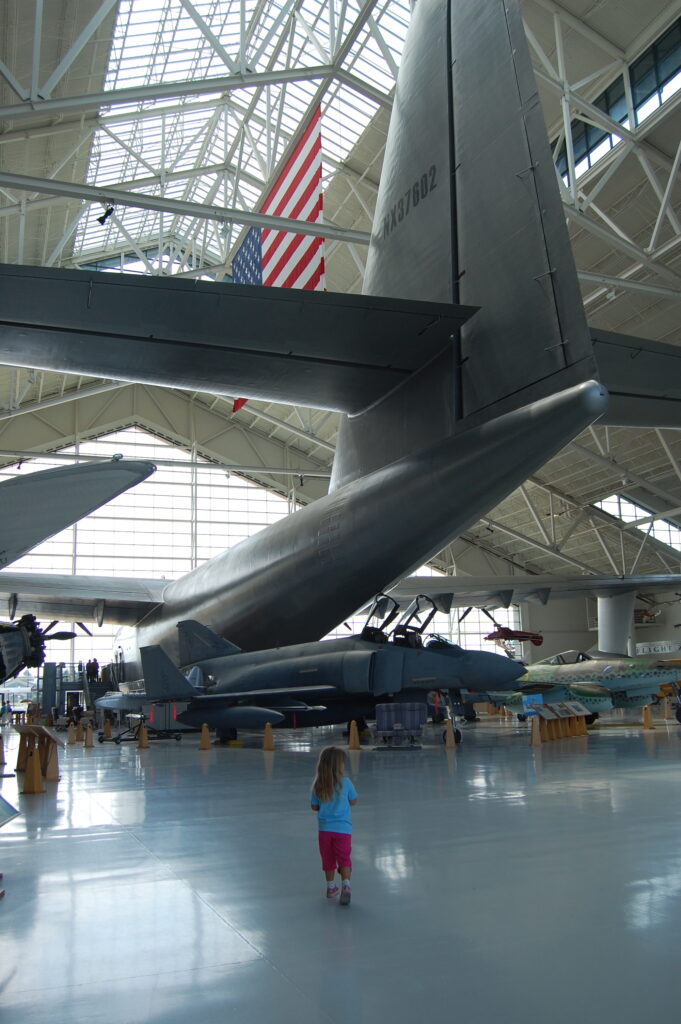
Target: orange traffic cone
x=79 y=733
x=205 y=737
x=89 y=740
x=71 y=737
x=450 y=742
x=107 y=729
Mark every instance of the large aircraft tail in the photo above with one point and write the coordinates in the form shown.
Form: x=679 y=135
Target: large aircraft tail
x=198 y=642
x=469 y=212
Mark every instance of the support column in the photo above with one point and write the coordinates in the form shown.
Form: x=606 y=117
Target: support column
x=615 y=622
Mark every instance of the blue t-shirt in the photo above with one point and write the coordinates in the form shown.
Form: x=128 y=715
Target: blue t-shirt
x=335 y=815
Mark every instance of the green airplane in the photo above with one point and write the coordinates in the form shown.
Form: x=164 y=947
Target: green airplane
x=599 y=681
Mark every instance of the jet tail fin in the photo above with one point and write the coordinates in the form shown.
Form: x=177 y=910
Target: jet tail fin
x=469 y=211
x=162 y=680
x=198 y=642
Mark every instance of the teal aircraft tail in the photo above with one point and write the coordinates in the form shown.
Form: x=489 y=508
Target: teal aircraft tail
x=469 y=212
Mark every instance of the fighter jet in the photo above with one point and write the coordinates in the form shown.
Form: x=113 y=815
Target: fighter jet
x=599 y=681
x=229 y=689
x=35 y=506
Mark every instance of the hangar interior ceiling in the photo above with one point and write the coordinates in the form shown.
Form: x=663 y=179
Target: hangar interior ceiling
x=188 y=108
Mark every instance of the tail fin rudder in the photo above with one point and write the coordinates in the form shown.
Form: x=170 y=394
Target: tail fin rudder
x=162 y=680
x=469 y=212
x=198 y=642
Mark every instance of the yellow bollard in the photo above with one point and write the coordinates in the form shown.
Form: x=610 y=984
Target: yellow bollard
x=450 y=742
x=71 y=737
x=89 y=740
x=205 y=737
x=143 y=738
x=535 y=735
x=107 y=729
x=353 y=738
x=79 y=733
x=647 y=718
x=33 y=779
x=268 y=738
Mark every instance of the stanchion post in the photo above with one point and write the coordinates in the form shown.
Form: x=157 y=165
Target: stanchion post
x=353 y=738
x=268 y=738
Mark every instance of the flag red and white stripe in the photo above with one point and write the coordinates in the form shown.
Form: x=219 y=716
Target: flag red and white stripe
x=296 y=261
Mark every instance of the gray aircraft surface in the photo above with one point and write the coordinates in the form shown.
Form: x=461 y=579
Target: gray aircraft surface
x=35 y=506
x=453 y=393
x=230 y=689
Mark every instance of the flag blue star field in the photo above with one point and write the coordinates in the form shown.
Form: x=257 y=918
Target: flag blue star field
x=247 y=264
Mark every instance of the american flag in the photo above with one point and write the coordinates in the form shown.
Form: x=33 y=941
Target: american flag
x=278 y=258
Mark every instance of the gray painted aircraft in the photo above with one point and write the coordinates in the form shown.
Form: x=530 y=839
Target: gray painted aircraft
x=599 y=681
x=464 y=366
x=34 y=507
x=230 y=689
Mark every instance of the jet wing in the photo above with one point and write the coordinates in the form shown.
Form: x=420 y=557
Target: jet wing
x=319 y=349
x=80 y=598
x=643 y=378
x=502 y=591
x=35 y=506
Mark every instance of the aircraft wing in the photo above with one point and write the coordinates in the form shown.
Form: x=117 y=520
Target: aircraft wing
x=643 y=378
x=502 y=591
x=80 y=598
x=35 y=506
x=320 y=349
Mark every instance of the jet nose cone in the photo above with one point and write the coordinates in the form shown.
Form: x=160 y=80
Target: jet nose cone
x=496 y=672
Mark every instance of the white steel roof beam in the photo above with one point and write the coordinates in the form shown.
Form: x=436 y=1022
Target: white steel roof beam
x=142 y=93
x=104 y=194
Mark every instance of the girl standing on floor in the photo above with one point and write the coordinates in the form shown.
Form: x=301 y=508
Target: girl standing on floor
x=332 y=797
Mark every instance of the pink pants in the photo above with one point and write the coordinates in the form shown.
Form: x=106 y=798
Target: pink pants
x=335 y=848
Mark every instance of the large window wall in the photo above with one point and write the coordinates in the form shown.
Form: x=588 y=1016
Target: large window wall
x=176 y=519
x=651 y=80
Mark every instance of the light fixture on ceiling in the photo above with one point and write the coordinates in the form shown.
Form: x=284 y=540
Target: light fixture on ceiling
x=105 y=216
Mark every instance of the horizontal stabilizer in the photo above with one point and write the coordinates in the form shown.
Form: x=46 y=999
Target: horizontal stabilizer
x=643 y=378
x=309 y=348
x=199 y=642
x=162 y=680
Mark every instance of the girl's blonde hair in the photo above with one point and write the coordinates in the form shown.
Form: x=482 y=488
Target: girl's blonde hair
x=330 y=772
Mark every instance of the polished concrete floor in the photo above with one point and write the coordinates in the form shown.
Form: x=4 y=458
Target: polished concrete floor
x=494 y=884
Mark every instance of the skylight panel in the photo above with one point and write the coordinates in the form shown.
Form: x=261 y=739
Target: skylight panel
x=643 y=519
x=156 y=140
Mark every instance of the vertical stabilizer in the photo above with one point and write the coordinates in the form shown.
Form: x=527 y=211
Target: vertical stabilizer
x=198 y=642
x=469 y=211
